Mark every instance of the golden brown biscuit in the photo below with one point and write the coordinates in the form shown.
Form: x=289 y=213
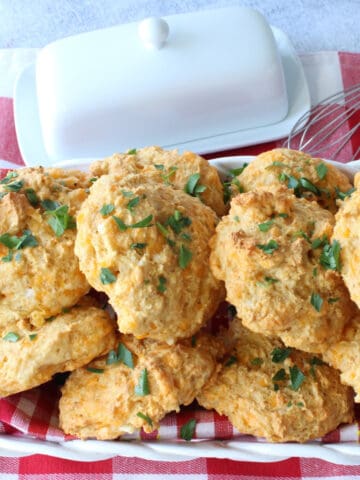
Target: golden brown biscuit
x=134 y=387
x=170 y=168
x=280 y=270
x=68 y=341
x=146 y=247
x=347 y=233
x=345 y=356
x=39 y=273
x=310 y=178
x=275 y=392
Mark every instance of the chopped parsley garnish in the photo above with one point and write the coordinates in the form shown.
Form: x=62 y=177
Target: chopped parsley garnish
x=269 y=247
x=300 y=404
x=146 y=222
x=185 y=256
x=50 y=319
x=107 y=209
x=50 y=204
x=13 y=242
x=93 y=179
x=235 y=172
x=257 y=361
x=278 y=355
x=321 y=170
x=145 y=417
x=299 y=185
x=330 y=256
x=14 y=186
x=279 y=376
x=301 y=233
x=230 y=361
x=106 y=276
x=162 y=229
x=278 y=164
x=316 y=301
x=271 y=280
x=95 y=370
x=166 y=176
x=282 y=215
x=343 y=195
x=132 y=203
x=333 y=300
x=32 y=336
x=11 y=337
x=122 y=355
x=233 y=180
x=315 y=272
x=162 y=284
x=265 y=227
x=142 y=388
x=32 y=197
x=186 y=236
x=296 y=377
x=9 y=176
x=127 y=194
x=138 y=246
x=187 y=431
x=159 y=166
x=59 y=218
x=178 y=222
x=193 y=187
x=132 y=151
x=315 y=361
x=319 y=242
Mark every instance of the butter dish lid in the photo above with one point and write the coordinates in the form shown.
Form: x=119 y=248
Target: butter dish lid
x=171 y=82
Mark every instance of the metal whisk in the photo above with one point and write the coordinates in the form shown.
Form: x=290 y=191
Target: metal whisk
x=330 y=129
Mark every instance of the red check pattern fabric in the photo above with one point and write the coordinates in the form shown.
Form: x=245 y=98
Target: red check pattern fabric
x=34 y=414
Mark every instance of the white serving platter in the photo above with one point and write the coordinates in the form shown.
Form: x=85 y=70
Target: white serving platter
x=345 y=453
x=31 y=142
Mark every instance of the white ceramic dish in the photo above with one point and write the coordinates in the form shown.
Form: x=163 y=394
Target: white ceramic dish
x=29 y=131
x=346 y=453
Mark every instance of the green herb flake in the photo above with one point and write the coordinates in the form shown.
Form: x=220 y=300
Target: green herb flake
x=132 y=203
x=162 y=229
x=159 y=166
x=185 y=256
x=127 y=193
x=132 y=151
x=187 y=431
x=316 y=301
x=321 y=170
x=93 y=179
x=343 y=195
x=50 y=319
x=177 y=222
x=265 y=227
x=300 y=404
x=333 y=299
x=296 y=377
x=230 y=361
x=142 y=388
x=14 y=186
x=330 y=256
x=162 y=284
x=315 y=272
x=193 y=187
x=8 y=257
x=50 y=205
x=235 y=172
x=193 y=341
x=138 y=246
x=269 y=247
x=278 y=164
x=32 y=336
x=319 y=242
x=279 y=376
x=106 y=209
x=282 y=215
x=257 y=361
x=13 y=242
x=314 y=362
x=186 y=236
x=125 y=356
x=121 y=225
x=106 y=276
x=9 y=176
x=11 y=337
x=32 y=197
x=279 y=355
x=145 y=417
x=60 y=220
x=271 y=280
x=95 y=370
x=146 y=222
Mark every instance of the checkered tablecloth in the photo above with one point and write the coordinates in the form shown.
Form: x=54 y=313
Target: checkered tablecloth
x=33 y=414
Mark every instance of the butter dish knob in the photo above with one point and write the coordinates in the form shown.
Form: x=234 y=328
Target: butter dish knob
x=153 y=32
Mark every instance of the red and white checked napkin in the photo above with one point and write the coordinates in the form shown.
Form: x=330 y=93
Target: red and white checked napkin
x=34 y=413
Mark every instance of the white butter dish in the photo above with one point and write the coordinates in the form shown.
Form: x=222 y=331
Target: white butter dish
x=218 y=72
